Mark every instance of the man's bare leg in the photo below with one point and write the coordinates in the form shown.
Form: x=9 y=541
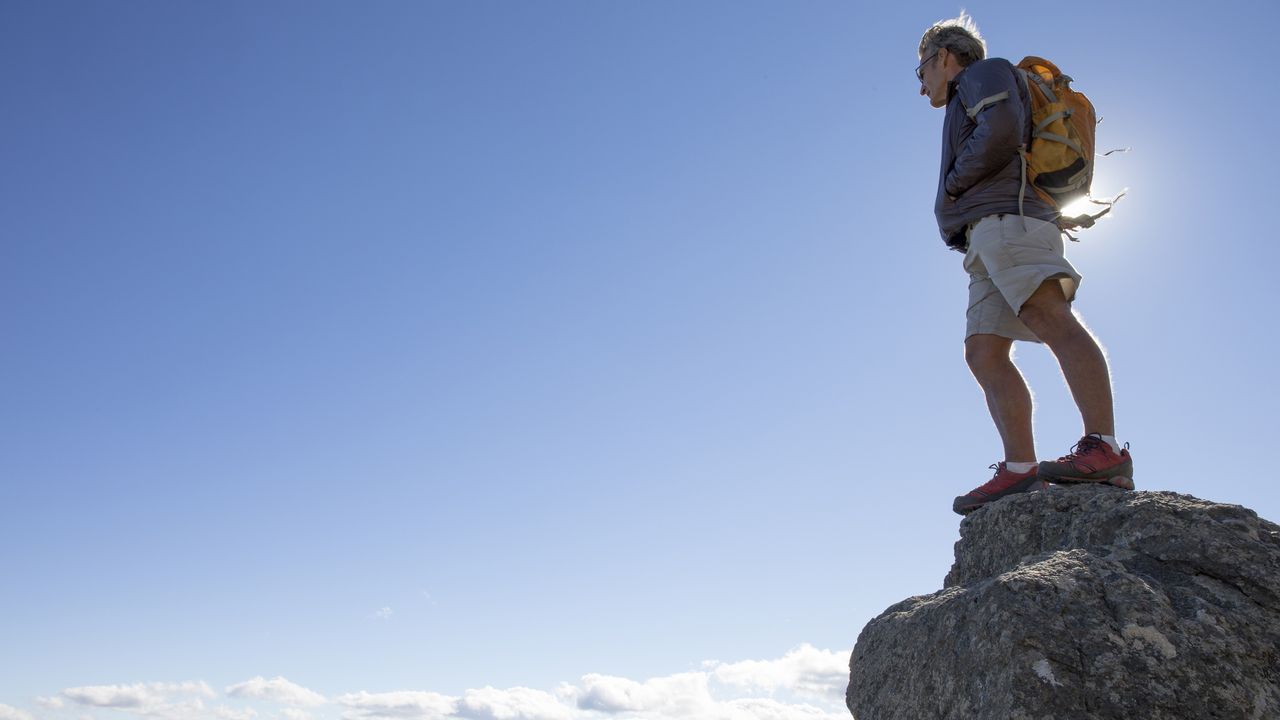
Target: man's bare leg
x=1008 y=397
x=1083 y=364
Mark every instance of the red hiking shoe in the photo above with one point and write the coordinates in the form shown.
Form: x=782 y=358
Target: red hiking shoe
x=1091 y=461
x=1005 y=483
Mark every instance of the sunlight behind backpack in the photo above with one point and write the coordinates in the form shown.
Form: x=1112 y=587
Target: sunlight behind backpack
x=1059 y=163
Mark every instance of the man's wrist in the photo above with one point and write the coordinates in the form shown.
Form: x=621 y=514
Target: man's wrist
x=948 y=187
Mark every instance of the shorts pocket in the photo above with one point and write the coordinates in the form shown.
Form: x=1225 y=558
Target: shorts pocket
x=1038 y=234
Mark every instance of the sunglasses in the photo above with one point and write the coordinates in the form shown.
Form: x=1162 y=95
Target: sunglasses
x=920 y=67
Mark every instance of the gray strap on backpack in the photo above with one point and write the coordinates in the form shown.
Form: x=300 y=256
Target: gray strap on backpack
x=1022 y=188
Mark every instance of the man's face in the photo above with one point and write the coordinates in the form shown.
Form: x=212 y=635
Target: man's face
x=933 y=77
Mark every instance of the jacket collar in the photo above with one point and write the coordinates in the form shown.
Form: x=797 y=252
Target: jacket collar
x=951 y=86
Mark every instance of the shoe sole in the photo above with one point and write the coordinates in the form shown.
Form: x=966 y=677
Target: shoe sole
x=1031 y=484
x=1120 y=476
x=1120 y=481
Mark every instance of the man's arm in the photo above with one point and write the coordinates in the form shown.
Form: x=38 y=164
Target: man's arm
x=992 y=102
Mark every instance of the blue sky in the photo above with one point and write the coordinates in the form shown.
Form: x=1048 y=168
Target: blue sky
x=555 y=359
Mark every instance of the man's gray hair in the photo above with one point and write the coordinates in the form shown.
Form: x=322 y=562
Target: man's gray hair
x=959 y=36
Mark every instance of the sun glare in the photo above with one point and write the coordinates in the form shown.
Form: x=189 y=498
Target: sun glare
x=1092 y=207
x=1079 y=207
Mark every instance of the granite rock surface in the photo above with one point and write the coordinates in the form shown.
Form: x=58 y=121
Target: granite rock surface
x=1086 y=602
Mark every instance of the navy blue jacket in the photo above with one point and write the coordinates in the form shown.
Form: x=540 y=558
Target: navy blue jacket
x=988 y=119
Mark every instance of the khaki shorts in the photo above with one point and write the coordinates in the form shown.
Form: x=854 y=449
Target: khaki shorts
x=1007 y=261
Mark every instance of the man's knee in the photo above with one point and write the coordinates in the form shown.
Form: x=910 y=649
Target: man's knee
x=1046 y=309
x=986 y=353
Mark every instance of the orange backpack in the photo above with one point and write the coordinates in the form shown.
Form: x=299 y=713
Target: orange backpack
x=1059 y=163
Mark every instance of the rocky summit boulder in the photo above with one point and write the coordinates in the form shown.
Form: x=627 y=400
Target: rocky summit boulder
x=1086 y=602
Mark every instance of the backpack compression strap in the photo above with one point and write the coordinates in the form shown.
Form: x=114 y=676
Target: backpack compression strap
x=1086 y=220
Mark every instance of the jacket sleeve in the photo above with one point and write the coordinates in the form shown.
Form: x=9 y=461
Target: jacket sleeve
x=992 y=101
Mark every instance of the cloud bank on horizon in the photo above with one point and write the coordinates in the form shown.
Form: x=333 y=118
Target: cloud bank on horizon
x=806 y=683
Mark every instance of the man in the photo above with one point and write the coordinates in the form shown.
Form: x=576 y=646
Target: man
x=1020 y=283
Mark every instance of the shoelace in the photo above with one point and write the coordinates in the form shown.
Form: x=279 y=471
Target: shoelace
x=1087 y=444
x=990 y=484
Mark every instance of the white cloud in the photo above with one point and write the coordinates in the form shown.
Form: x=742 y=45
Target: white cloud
x=50 y=703
x=113 y=696
x=402 y=704
x=770 y=709
x=277 y=690
x=382 y=613
x=166 y=701
x=513 y=704
x=138 y=695
x=745 y=690
x=13 y=713
x=805 y=670
x=685 y=694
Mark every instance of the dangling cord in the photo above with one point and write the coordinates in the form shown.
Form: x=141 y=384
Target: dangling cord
x=1022 y=189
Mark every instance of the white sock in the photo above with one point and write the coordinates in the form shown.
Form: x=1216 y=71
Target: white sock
x=1111 y=440
x=1020 y=467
